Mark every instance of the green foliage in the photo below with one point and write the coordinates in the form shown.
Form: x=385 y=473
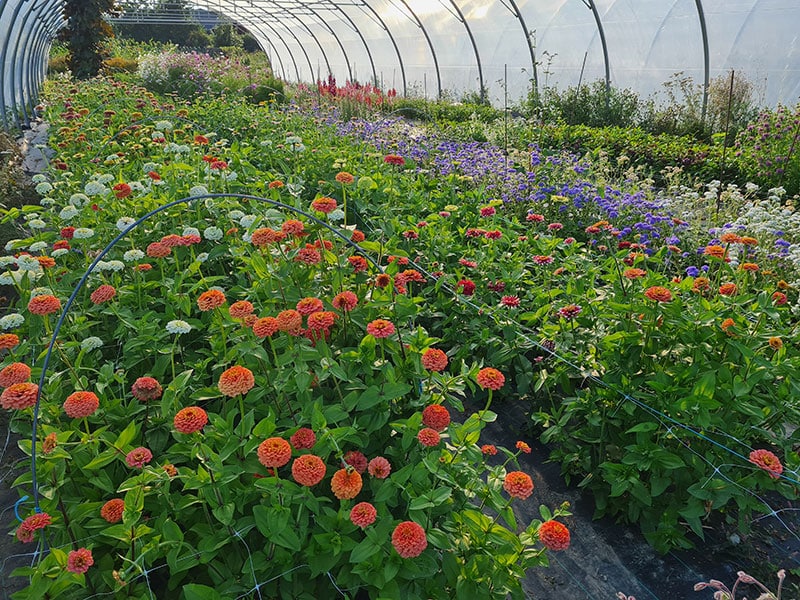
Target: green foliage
x=593 y=105
x=86 y=32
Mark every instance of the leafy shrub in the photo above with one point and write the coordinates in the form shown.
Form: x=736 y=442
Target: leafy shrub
x=119 y=64
x=593 y=105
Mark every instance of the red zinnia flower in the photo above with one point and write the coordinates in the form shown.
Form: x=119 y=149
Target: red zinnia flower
x=112 y=510
x=489 y=449
x=173 y=240
x=293 y=227
x=346 y=483
x=67 y=232
x=290 y=321
x=382 y=280
x=467 y=287
x=345 y=301
x=767 y=461
x=728 y=289
x=356 y=459
x=265 y=235
x=510 y=301
x=379 y=467
x=324 y=205
x=103 y=294
x=303 y=438
x=31 y=524
x=523 y=447
x=308 y=470
x=265 y=327
x=44 y=305
x=138 y=457
x=658 y=294
x=363 y=514
x=357 y=236
x=81 y=404
x=518 y=484
x=778 y=299
x=122 y=190
x=79 y=561
x=359 y=263
x=380 y=328
x=436 y=417
x=434 y=359
x=487 y=211
x=428 y=437
x=146 y=388
x=190 y=419
x=158 y=250
x=8 y=341
x=408 y=538
x=554 y=535
x=321 y=321
x=274 y=452
x=210 y=300
x=307 y=306
x=200 y=140
x=236 y=380
x=19 y=396
x=394 y=159
x=308 y=255
x=490 y=378
x=240 y=309
x=14 y=373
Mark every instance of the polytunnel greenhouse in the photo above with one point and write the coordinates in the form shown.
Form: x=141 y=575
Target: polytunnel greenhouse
x=431 y=46
x=399 y=299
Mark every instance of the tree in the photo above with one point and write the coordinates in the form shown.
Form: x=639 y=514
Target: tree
x=86 y=32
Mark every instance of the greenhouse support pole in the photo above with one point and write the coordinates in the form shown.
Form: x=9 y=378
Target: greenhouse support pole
x=464 y=22
x=3 y=54
x=706 y=62
x=431 y=46
x=527 y=33
x=593 y=7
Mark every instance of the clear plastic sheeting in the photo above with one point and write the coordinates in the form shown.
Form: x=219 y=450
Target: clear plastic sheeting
x=495 y=49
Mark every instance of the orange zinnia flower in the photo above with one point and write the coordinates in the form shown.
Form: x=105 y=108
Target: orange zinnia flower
x=345 y=301
x=104 y=293
x=728 y=289
x=490 y=378
x=14 y=373
x=730 y=238
x=363 y=514
x=307 y=306
x=634 y=273
x=346 y=483
x=321 y=321
x=274 y=452
x=44 y=305
x=81 y=404
x=380 y=328
x=752 y=267
x=775 y=343
x=308 y=470
x=265 y=327
x=190 y=419
x=658 y=294
x=554 y=535
x=518 y=485
x=428 y=437
x=236 y=380
x=324 y=205
x=290 y=321
x=8 y=341
x=210 y=300
x=19 y=396
x=715 y=251
x=436 y=417
x=434 y=360
x=344 y=178
x=112 y=510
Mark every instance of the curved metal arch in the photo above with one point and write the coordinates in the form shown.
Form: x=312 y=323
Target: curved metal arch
x=16 y=74
x=593 y=7
x=358 y=32
x=701 y=15
x=388 y=31
x=526 y=32
x=3 y=54
x=33 y=57
x=335 y=37
x=439 y=90
x=463 y=20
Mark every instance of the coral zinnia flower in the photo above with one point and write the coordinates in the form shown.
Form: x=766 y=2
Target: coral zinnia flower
x=346 y=483
x=46 y=262
x=44 y=305
x=394 y=159
x=700 y=284
x=19 y=396
x=265 y=327
x=104 y=293
x=382 y=280
x=356 y=459
x=303 y=438
x=274 y=452
x=265 y=235
x=434 y=359
x=379 y=467
x=138 y=457
x=408 y=538
x=79 y=561
x=344 y=178
x=778 y=299
x=752 y=267
x=81 y=404
x=275 y=185
x=490 y=378
x=31 y=524
x=518 y=484
x=190 y=419
x=727 y=324
x=308 y=469
x=380 y=328
x=146 y=388
x=8 y=341
x=359 y=263
x=345 y=301
x=634 y=273
x=308 y=256
x=357 y=236
x=728 y=289
x=158 y=250
x=306 y=306
x=240 y=309
x=363 y=514
x=730 y=238
x=658 y=294
x=173 y=240
x=290 y=321
x=122 y=190
x=436 y=417
x=293 y=227
x=112 y=510
x=523 y=447
x=210 y=300
x=321 y=321
x=489 y=449
x=14 y=373
x=324 y=205
x=554 y=535
x=767 y=461
x=428 y=437
x=715 y=251
x=236 y=380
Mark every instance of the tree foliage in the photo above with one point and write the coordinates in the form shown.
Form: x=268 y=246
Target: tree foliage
x=86 y=32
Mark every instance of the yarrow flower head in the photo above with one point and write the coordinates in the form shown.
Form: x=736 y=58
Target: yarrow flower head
x=274 y=452
x=409 y=539
x=363 y=514
x=554 y=535
x=190 y=419
x=236 y=380
x=490 y=378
